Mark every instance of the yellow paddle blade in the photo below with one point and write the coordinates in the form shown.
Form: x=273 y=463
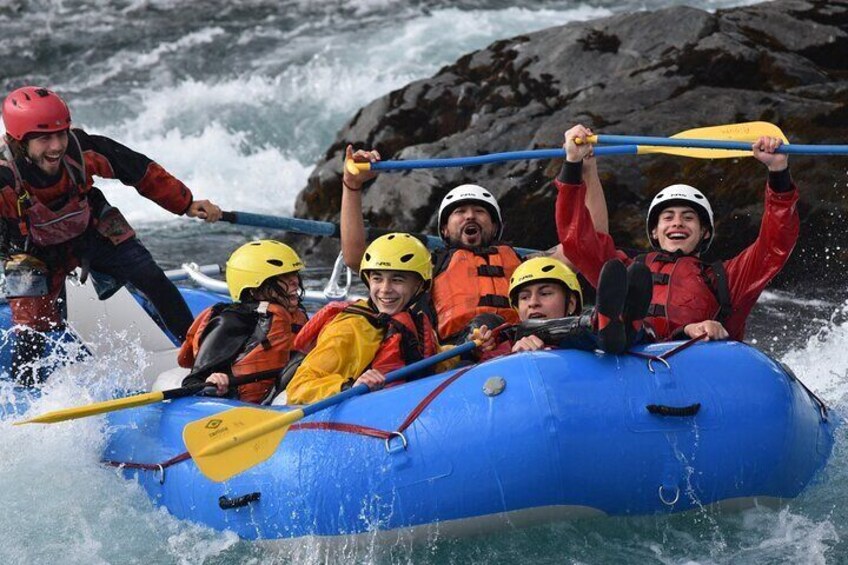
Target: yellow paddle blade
x=96 y=408
x=746 y=131
x=231 y=442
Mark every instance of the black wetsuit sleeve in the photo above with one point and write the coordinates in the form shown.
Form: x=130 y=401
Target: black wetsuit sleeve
x=780 y=181
x=126 y=165
x=571 y=173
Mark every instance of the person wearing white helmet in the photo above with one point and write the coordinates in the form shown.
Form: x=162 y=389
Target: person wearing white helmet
x=691 y=297
x=471 y=275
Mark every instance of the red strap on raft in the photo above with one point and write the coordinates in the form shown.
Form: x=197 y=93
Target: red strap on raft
x=381 y=434
x=330 y=426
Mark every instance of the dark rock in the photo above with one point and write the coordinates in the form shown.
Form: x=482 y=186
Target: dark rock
x=648 y=73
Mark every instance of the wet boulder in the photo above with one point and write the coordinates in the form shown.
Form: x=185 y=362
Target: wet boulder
x=646 y=73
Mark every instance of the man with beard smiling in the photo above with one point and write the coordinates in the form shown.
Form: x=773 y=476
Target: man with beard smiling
x=690 y=297
x=471 y=275
x=53 y=219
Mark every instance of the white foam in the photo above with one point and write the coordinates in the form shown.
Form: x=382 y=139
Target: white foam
x=67 y=507
x=215 y=165
x=249 y=142
x=822 y=363
x=784 y=297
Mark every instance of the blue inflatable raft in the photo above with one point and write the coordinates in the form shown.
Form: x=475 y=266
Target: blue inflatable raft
x=522 y=439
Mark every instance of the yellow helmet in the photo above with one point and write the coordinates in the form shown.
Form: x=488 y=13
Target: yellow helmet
x=541 y=269
x=397 y=252
x=253 y=263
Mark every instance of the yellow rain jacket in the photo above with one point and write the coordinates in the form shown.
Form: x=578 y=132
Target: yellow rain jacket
x=345 y=349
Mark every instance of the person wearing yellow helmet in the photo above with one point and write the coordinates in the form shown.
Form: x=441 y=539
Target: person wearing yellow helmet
x=359 y=343
x=251 y=338
x=544 y=288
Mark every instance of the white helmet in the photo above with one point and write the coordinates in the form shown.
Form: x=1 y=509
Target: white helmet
x=470 y=193
x=681 y=194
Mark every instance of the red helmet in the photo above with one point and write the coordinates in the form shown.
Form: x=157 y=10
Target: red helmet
x=32 y=109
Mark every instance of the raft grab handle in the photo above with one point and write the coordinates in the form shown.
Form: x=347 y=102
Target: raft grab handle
x=679 y=411
x=227 y=503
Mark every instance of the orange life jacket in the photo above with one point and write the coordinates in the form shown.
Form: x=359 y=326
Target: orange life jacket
x=471 y=282
x=409 y=335
x=686 y=291
x=266 y=350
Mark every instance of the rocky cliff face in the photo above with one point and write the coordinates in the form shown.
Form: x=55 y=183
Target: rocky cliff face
x=648 y=73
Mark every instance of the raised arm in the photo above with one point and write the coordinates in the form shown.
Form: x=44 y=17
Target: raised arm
x=596 y=203
x=352 y=222
x=750 y=272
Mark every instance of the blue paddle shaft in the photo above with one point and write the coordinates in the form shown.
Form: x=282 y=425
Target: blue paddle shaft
x=619 y=145
x=617 y=140
x=396 y=375
x=298 y=225
x=478 y=160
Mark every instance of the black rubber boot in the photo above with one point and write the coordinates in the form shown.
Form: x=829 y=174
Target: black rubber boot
x=640 y=290
x=612 y=290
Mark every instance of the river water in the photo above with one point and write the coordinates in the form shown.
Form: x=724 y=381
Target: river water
x=239 y=99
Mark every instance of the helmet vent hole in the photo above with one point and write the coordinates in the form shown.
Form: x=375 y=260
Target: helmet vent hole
x=255 y=243
x=487 y=195
x=547 y=268
x=367 y=256
x=406 y=258
x=391 y=237
x=698 y=196
x=42 y=92
x=275 y=262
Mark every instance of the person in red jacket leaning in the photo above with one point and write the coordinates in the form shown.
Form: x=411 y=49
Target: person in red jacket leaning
x=690 y=297
x=53 y=220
